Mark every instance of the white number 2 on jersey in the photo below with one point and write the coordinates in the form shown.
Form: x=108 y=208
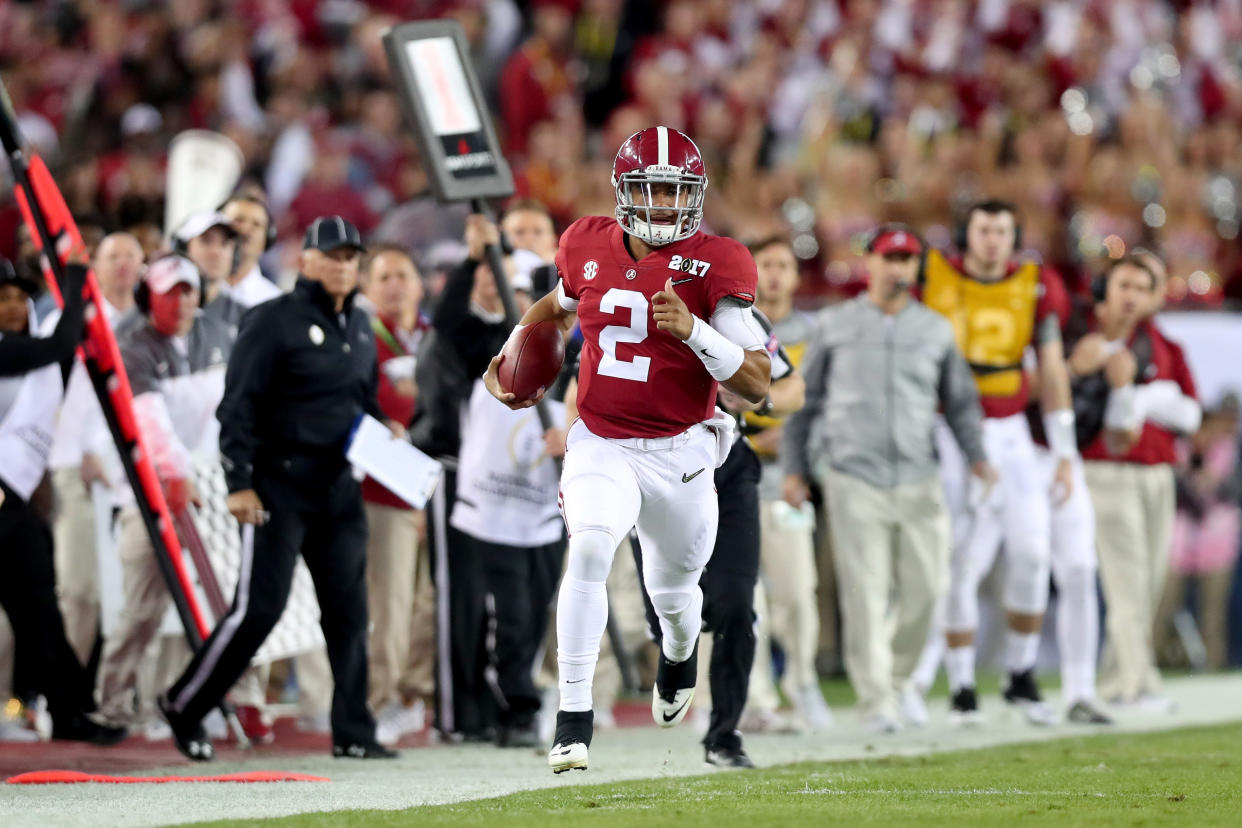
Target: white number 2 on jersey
x=637 y=368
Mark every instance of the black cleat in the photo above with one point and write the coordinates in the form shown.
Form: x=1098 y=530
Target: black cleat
x=722 y=757
x=363 y=750
x=80 y=728
x=573 y=737
x=673 y=690
x=191 y=740
x=1023 y=692
x=964 y=707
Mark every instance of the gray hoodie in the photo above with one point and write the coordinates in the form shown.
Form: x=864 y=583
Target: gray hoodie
x=874 y=383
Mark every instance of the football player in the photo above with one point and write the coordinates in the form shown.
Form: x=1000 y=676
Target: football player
x=999 y=306
x=1120 y=296
x=665 y=313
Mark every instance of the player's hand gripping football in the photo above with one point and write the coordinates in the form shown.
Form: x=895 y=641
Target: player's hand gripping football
x=671 y=314
x=491 y=380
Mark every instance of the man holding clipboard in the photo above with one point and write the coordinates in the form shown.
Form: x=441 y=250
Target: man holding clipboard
x=302 y=373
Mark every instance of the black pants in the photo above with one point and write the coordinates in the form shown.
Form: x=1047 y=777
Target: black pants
x=520 y=583
x=465 y=705
x=43 y=657
x=327 y=526
x=728 y=585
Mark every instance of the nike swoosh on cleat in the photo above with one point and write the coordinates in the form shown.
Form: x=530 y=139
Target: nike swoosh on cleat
x=668 y=717
x=686 y=478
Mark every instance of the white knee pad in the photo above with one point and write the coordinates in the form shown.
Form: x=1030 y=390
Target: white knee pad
x=1075 y=584
x=681 y=619
x=590 y=554
x=671 y=605
x=1027 y=567
x=961 y=600
x=962 y=604
x=1073 y=535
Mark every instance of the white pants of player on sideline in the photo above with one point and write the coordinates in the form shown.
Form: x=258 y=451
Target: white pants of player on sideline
x=1072 y=559
x=1016 y=512
x=664 y=487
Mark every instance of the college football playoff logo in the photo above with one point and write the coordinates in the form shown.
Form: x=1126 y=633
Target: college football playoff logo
x=590 y=270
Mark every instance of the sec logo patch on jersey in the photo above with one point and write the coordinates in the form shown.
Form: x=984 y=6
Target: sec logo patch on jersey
x=590 y=270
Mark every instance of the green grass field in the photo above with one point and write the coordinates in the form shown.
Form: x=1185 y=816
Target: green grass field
x=1191 y=776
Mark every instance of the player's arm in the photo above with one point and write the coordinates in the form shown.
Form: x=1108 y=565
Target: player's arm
x=796 y=431
x=556 y=307
x=730 y=345
x=786 y=394
x=959 y=400
x=1056 y=403
x=1173 y=403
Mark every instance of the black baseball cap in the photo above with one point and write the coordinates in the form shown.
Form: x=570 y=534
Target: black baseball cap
x=328 y=233
x=8 y=276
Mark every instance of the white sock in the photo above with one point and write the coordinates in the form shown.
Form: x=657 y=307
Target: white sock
x=959 y=662
x=581 y=617
x=1078 y=633
x=924 y=675
x=1020 y=651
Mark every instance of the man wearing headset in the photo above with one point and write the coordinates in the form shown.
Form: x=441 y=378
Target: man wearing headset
x=1151 y=402
x=208 y=240
x=999 y=305
x=876 y=373
x=248 y=215
x=175 y=360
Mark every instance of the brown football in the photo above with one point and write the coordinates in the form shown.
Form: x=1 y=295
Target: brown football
x=532 y=359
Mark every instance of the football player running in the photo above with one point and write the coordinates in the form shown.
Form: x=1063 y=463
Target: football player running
x=998 y=306
x=665 y=314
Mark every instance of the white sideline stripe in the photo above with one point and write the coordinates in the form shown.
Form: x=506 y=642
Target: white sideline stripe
x=957 y=792
x=662 y=146
x=439 y=506
x=228 y=627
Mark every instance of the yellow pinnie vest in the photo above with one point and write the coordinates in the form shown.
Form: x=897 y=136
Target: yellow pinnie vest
x=993 y=321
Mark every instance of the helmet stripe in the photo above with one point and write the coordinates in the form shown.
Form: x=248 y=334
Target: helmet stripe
x=662 y=146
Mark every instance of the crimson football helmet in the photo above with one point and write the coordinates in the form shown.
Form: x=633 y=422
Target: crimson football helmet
x=652 y=156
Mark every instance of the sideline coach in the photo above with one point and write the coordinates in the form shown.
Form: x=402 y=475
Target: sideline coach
x=301 y=373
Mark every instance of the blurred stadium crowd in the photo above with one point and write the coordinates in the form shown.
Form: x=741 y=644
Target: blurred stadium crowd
x=1112 y=125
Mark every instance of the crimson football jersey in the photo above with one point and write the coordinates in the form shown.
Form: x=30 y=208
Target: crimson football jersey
x=634 y=379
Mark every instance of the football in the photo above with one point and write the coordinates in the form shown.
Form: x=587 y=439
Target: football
x=532 y=359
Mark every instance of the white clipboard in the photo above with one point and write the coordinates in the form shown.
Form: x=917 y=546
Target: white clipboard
x=402 y=469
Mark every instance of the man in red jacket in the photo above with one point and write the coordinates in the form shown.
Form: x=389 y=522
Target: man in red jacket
x=401 y=601
x=1129 y=470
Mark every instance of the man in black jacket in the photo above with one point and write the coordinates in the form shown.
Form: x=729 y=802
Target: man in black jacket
x=33 y=373
x=468 y=329
x=302 y=372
